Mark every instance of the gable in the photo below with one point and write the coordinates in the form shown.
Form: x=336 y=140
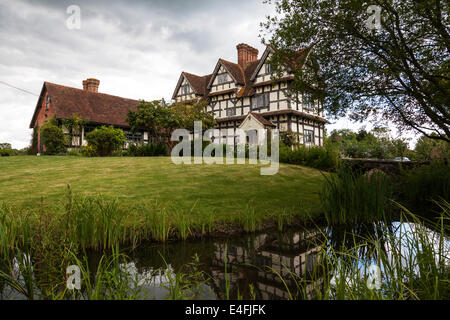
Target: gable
x=250 y=123
x=260 y=74
x=185 y=87
x=222 y=76
x=182 y=83
x=226 y=72
x=191 y=84
x=255 y=121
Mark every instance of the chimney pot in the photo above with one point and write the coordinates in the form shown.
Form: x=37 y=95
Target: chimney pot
x=91 y=85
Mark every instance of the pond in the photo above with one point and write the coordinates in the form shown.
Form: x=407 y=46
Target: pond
x=274 y=265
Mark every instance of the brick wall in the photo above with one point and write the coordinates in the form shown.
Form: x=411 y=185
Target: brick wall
x=43 y=116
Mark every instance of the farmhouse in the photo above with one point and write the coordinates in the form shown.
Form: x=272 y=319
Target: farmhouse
x=244 y=95
x=240 y=95
x=61 y=102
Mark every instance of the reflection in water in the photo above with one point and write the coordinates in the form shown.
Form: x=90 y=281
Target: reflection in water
x=259 y=266
x=267 y=263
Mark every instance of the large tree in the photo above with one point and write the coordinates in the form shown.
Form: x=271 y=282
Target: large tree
x=378 y=58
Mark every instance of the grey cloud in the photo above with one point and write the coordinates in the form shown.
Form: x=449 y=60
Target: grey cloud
x=136 y=48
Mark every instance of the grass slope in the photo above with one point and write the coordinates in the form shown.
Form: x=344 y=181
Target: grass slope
x=220 y=189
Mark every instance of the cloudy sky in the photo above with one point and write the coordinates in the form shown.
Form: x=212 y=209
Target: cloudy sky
x=137 y=49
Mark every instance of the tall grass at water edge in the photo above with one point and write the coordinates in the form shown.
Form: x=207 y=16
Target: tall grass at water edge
x=350 y=196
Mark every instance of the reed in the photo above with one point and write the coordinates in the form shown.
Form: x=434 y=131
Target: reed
x=183 y=222
x=248 y=219
x=284 y=217
x=160 y=225
x=350 y=197
x=413 y=262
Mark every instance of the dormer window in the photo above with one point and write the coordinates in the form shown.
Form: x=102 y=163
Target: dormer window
x=47 y=103
x=222 y=78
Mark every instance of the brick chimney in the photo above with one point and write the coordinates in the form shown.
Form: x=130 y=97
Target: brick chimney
x=246 y=54
x=91 y=85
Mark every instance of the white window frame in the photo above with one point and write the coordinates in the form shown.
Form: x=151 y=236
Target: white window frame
x=308 y=136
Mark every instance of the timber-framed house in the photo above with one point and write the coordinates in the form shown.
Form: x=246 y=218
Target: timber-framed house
x=245 y=95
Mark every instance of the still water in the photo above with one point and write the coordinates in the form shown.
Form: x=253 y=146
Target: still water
x=256 y=266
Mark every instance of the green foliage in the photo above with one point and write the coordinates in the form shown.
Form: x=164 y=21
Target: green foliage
x=161 y=120
x=74 y=126
x=358 y=68
x=418 y=187
x=146 y=150
x=52 y=137
x=316 y=157
x=14 y=152
x=6 y=152
x=33 y=149
x=75 y=153
x=412 y=257
x=349 y=196
x=427 y=149
x=289 y=138
x=88 y=151
x=106 y=140
x=363 y=144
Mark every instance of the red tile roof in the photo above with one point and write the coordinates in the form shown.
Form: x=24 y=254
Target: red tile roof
x=235 y=70
x=262 y=120
x=242 y=75
x=198 y=83
x=96 y=107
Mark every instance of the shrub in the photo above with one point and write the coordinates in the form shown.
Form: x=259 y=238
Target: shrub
x=88 y=151
x=289 y=138
x=74 y=152
x=53 y=138
x=420 y=186
x=6 y=152
x=105 y=140
x=316 y=157
x=147 y=150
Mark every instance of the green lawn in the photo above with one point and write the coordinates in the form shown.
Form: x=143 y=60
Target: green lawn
x=218 y=188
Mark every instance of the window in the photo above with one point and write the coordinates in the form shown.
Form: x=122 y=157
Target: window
x=136 y=137
x=308 y=136
x=231 y=112
x=308 y=102
x=268 y=68
x=222 y=78
x=185 y=89
x=47 y=103
x=261 y=101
